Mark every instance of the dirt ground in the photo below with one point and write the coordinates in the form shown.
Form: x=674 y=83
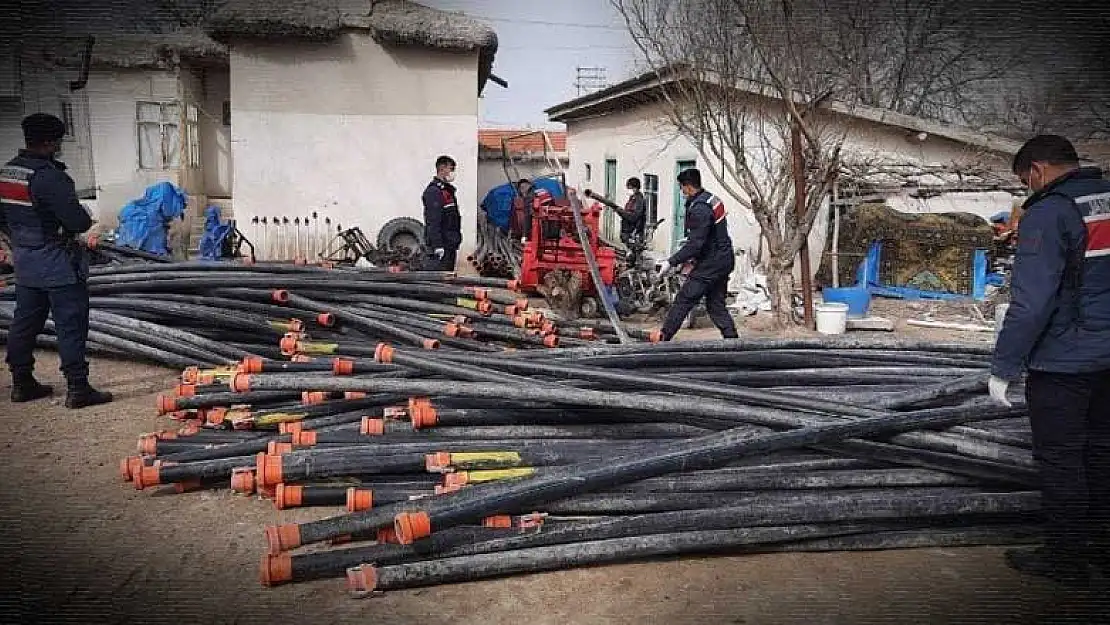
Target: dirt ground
x=80 y=546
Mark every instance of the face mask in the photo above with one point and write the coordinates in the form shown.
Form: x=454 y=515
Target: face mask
x=449 y=177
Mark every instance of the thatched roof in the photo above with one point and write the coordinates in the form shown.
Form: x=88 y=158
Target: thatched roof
x=141 y=51
x=391 y=22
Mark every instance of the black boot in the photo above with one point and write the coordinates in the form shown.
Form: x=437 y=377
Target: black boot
x=26 y=388
x=81 y=395
x=1043 y=563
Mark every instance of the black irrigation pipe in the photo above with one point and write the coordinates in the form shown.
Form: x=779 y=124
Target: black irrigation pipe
x=168 y=345
x=537 y=559
x=361 y=322
x=285 y=567
x=203 y=314
x=214 y=347
x=702 y=452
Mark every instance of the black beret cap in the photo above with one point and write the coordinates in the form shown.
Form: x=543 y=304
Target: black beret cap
x=41 y=127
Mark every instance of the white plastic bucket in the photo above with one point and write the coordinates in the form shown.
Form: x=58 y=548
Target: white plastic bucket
x=832 y=317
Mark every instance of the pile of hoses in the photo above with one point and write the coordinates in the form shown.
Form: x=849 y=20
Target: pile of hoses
x=215 y=314
x=456 y=466
x=497 y=254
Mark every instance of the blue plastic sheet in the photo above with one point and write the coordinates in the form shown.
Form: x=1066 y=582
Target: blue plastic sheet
x=215 y=232
x=144 y=223
x=498 y=203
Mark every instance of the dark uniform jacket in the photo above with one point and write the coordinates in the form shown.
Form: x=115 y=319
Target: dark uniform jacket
x=707 y=241
x=1059 y=315
x=41 y=215
x=634 y=219
x=442 y=221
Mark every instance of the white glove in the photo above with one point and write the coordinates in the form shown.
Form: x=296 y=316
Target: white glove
x=664 y=267
x=997 y=388
x=439 y=252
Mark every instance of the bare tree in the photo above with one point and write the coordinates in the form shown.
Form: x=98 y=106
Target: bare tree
x=738 y=76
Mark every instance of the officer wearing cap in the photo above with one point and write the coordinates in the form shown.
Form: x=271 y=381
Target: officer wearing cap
x=40 y=213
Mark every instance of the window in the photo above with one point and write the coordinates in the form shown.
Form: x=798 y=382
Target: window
x=192 y=135
x=67 y=116
x=651 y=195
x=227 y=113
x=159 y=130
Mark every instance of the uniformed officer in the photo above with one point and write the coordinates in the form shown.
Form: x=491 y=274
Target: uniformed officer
x=42 y=217
x=442 y=221
x=1058 y=328
x=709 y=248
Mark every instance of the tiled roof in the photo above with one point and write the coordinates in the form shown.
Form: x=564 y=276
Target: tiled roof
x=489 y=139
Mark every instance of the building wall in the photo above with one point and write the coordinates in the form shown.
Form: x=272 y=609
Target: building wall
x=113 y=97
x=350 y=130
x=215 y=137
x=641 y=142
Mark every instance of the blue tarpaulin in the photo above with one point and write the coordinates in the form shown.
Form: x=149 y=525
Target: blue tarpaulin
x=212 y=241
x=143 y=223
x=498 y=203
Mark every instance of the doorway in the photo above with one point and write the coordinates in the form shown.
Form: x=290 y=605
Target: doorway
x=678 y=224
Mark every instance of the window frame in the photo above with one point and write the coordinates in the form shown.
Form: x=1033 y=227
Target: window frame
x=168 y=126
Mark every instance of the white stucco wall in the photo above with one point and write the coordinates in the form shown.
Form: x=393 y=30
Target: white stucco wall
x=215 y=138
x=642 y=142
x=351 y=130
x=113 y=96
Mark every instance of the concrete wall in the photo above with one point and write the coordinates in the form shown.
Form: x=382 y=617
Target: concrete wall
x=350 y=130
x=642 y=142
x=113 y=97
x=215 y=137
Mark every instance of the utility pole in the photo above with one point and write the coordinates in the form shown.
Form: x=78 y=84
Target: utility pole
x=800 y=211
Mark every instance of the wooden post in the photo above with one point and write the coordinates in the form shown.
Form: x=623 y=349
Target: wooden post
x=835 y=258
x=800 y=209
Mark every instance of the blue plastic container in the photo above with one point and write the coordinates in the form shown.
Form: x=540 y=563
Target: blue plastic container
x=857 y=298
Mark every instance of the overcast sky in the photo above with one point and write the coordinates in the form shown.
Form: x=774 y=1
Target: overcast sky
x=541 y=44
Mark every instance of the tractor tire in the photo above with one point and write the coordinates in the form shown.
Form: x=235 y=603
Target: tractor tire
x=401 y=232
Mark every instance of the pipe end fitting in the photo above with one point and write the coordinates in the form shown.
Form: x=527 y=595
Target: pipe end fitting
x=362 y=579
x=304 y=438
x=282 y=538
x=250 y=364
x=281 y=296
x=147 y=477
x=431 y=344
x=268 y=470
x=276 y=448
x=242 y=480
x=185 y=390
x=288 y=496
x=276 y=569
x=370 y=426
x=342 y=366
x=290 y=427
x=551 y=340
x=326 y=320
x=166 y=404
x=359 y=499
x=148 y=444
x=383 y=353
x=412 y=526
x=240 y=383
x=439 y=462
x=387 y=536
x=422 y=416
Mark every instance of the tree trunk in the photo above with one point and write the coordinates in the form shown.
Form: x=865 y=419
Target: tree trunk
x=780 y=287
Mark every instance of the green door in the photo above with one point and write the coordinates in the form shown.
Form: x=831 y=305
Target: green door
x=609 y=222
x=678 y=223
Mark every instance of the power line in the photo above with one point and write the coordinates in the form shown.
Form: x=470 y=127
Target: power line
x=545 y=23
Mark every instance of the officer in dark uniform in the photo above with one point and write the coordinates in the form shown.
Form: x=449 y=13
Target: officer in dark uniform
x=709 y=247
x=527 y=198
x=42 y=217
x=634 y=215
x=442 y=221
x=1058 y=328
